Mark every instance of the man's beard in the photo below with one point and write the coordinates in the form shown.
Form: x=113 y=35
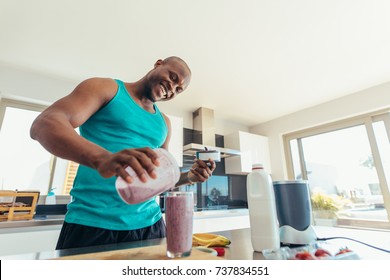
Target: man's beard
x=149 y=95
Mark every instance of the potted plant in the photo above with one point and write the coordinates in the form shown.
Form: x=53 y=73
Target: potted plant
x=324 y=207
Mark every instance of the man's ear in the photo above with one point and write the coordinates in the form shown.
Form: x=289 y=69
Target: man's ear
x=158 y=63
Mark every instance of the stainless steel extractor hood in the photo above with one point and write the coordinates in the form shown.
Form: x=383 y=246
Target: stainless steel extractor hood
x=203 y=121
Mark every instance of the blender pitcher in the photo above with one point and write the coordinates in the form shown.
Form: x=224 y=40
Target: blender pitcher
x=294 y=213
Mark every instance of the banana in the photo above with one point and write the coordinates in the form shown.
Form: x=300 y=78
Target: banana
x=209 y=240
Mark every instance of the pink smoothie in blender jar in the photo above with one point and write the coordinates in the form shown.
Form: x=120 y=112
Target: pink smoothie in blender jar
x=168 y=174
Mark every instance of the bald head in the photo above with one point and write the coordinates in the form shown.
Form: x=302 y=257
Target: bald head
x=176 y=59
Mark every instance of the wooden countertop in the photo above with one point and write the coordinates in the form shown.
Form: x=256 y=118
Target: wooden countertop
x=156 y=252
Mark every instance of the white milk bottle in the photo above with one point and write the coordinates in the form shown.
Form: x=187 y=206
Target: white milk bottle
x=262 y=210
x=168 y=174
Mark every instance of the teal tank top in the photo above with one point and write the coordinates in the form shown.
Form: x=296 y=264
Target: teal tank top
x=119 y=125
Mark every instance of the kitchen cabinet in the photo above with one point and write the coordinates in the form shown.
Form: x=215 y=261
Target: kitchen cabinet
x=254 y=149
x=175 y=146
x=220 y=220
x=22 y=240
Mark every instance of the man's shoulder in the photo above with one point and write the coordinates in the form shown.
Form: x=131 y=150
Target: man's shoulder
x=103 y=88
x=100 y=81
x=166 y=117
x=98 y=84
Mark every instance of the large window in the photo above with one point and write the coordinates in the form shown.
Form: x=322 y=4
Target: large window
x=347 y=165
x=24 y=164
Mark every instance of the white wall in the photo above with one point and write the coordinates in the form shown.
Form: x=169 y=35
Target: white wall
x=45 y=89
x=365 y=101
x=32 y=85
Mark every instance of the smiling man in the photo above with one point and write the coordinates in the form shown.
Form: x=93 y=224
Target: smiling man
x=120 y=125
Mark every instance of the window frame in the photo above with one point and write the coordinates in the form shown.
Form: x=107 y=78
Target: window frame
x=18 y=104
x=365 y=119
x=6 y=102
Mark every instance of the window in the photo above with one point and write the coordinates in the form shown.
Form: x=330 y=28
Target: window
x=215 y=192
x=347 y=165
x=71 y=171
x=218 y=193
x=24 y=164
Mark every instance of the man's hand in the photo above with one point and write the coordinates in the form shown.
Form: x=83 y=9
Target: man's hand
x=201 y=171
x=142 y=160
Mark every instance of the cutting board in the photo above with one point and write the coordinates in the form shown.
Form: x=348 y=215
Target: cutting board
x=157 y=252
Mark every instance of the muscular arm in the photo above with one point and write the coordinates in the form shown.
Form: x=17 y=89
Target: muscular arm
x=54 y=127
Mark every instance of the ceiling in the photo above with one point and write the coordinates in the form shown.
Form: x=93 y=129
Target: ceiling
x=252 y=60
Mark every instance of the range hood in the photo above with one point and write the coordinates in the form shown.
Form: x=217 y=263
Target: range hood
x=203 y=121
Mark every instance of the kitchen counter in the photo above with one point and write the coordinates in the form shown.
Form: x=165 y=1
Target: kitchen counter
x=204 y=221
x=59 y=219
x=36 y=222
x=240 y=248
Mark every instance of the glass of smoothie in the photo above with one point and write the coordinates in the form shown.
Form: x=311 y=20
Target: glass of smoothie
x=179 y=211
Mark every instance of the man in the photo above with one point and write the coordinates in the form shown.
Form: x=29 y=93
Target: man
x=120 y=125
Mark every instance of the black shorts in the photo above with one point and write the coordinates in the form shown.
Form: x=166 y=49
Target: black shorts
x=76 y=236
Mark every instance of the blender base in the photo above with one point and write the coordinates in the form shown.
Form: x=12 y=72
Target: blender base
x=290 y=236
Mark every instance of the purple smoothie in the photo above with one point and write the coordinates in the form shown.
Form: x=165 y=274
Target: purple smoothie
x=168 y=174
x=179 y=219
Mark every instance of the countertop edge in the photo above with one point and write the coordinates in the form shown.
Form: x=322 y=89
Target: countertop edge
x=59 y=220
x=31 y=223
